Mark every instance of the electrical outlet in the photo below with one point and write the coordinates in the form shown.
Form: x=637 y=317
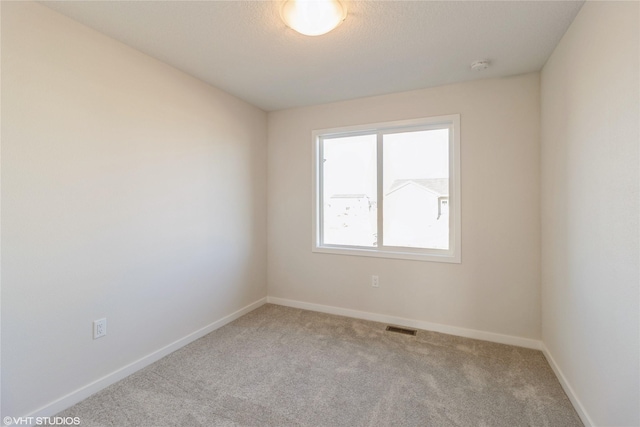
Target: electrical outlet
x=375 y=281
x=99 y=328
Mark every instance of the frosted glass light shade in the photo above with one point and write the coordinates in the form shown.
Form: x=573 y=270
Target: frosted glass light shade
x=313 y=17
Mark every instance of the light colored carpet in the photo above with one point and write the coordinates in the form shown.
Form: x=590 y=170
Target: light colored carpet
x=280 y=366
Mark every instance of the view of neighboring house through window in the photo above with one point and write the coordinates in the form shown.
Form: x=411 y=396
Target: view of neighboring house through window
x=389 y=190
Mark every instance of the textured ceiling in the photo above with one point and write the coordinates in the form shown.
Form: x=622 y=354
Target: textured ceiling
x=382 y=47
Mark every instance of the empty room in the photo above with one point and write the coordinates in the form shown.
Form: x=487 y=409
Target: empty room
x=320 y=213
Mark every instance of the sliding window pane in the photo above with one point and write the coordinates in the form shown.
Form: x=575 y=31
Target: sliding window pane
x=416 y=189
x=349 y=200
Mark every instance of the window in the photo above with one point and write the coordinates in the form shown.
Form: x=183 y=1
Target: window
x=389 y=190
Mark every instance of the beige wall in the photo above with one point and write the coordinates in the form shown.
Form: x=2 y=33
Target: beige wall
x=496 y=287
x=590 y=195
x=129 y=191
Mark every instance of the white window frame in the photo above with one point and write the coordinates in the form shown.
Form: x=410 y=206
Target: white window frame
x=453 y=254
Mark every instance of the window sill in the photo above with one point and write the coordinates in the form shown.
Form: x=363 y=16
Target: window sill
x=443 y=256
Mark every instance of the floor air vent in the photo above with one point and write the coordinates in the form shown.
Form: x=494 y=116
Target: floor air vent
x=404 y=331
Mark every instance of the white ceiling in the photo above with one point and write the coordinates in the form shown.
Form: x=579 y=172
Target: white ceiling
x=244 y=48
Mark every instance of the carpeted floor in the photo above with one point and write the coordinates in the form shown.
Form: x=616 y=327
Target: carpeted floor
x=280 y=366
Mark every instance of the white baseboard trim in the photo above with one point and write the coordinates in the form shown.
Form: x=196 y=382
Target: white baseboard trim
x=419 y=324
x=82 y=393
x=582 y=413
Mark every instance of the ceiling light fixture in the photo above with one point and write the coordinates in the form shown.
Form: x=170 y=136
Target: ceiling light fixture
x=313 y=17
